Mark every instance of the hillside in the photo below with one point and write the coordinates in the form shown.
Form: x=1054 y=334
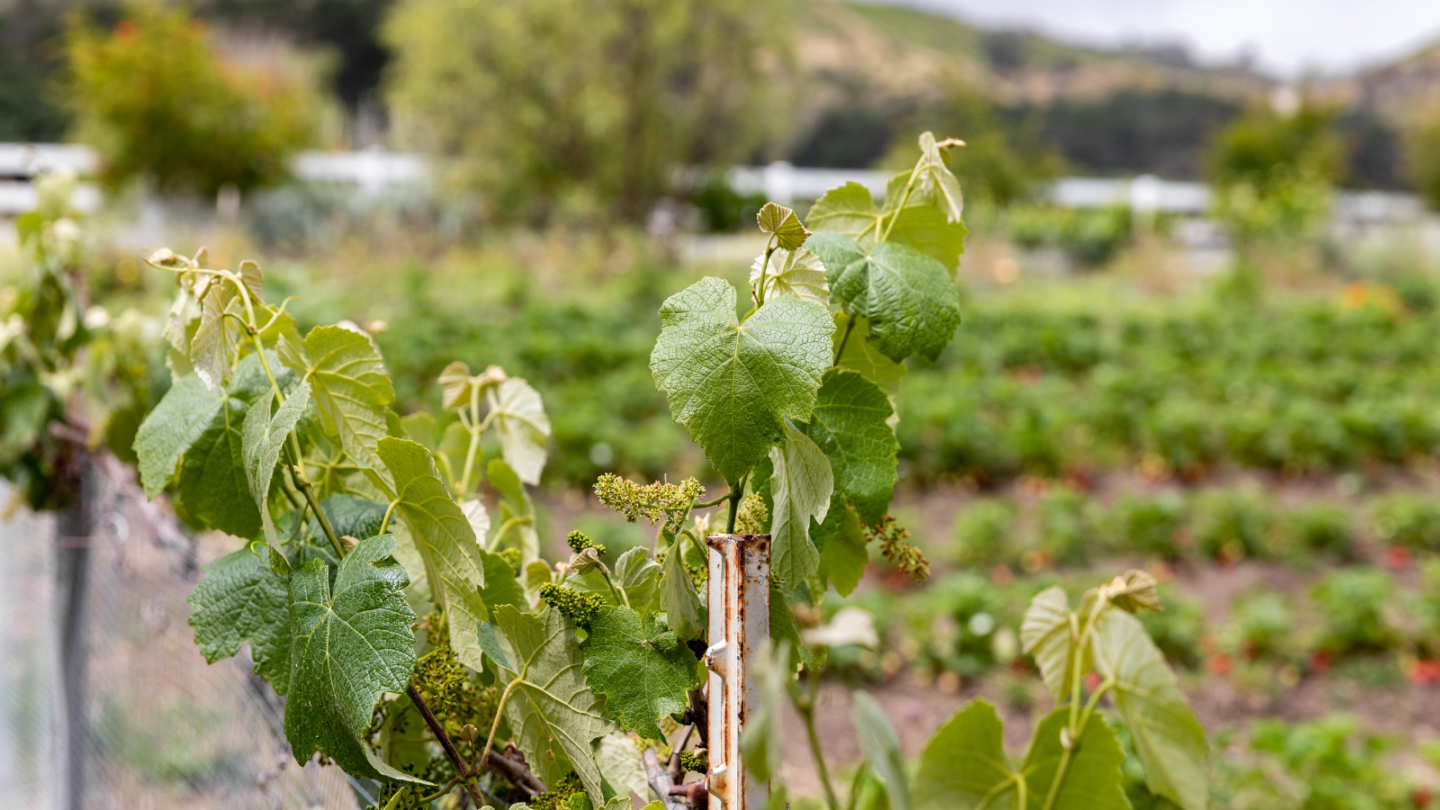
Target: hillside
x=897 y=50
x=1398 y=91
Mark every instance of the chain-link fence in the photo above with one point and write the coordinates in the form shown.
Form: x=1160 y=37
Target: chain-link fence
x=105 y=701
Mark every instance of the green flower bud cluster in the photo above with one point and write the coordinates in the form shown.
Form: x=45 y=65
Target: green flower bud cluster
x=753 y=516
x=513 y=556
x=580 y=608
x=697 y=761
x=579 y=541
x=651 y=501
x=560 y=797
x=441 y=679
x=901 y=554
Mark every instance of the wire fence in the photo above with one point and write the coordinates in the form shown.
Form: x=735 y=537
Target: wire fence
x=105 y=701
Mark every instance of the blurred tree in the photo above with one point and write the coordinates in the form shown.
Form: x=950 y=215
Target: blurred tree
x=1002 y=160
x=1162 y=132
x=158 y=104
x=581 y=107
x=1266 y=148
x=1274 y=174
x=1422 y=158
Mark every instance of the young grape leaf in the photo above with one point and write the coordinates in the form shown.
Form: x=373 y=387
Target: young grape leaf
x=782 y=222
x=732 y=385
x=522 y=426
x=679 y=599
x=801 y=485
x=216 y=343
x=445 y=540
x=760 y=746
x=841 y=539
x=213 y=486
x=552 y=713
x=502 y=587
x=1092 y=780
x=909 y=297
x=240 y=599
x=253 y=279
x=963 y=766
x=350 y=386
x=1045 y=633
x=474 y=510
x=643 y=672
x=639 y=577
x=934 y=184
x=792 y=272
x=849 y=210
x=850 y=425
x=350 y=645
x=419 y=427
x=517 y=513
x=1169 y=740
x=882 y=749
x=262 y=438
x=177 y=421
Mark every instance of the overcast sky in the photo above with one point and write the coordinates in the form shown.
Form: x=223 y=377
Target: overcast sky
x=1287 y=36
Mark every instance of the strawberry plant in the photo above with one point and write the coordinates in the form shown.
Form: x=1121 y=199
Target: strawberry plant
x=422 y=641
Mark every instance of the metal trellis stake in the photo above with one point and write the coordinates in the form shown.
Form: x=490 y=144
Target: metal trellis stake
x=739 y=627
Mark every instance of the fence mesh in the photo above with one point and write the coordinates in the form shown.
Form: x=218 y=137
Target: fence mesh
x=153 y=726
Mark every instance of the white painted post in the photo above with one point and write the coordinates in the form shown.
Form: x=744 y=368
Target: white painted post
x=739 y=626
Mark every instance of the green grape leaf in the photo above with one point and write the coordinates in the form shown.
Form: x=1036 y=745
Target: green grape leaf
x=841 y=539
x=760 y=745
x=732 y=385
x=253 y=279
x=861 y=355
x=240 y=599
x=352 y=516
x=850 y=425
x=502 y=587
x=619 y=760
x=1169 y=740
x=552 y=713
x=350 y=386
x=1045 y=634
x=262 y=437
x=177 y=421
x=419 y=427
x=792 y=272
x=801 y=486
x=522 y=426
x=213 y=486
x=216 y=344
x=445 y=540
x=909 y=297
x=882 y=749
x=925 y=228
x=849 y=210
x=679 y=599
x=963 y=766
x=1092 y=780
x=643 y=672
x=783 y=224
x=350 y=645
x=517 y=513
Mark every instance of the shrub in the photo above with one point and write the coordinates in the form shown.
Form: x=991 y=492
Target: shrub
x=1231 y=524
x=1355 y=604
x=985 y=533
x=1149 y=525
x=155 y=101
x=1263 y=624
x=1412 y=521
x=1177 y=629
x=1322 y=528
x=1067 y=527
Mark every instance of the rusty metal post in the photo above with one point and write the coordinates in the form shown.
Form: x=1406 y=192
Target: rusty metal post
x=739 y=627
